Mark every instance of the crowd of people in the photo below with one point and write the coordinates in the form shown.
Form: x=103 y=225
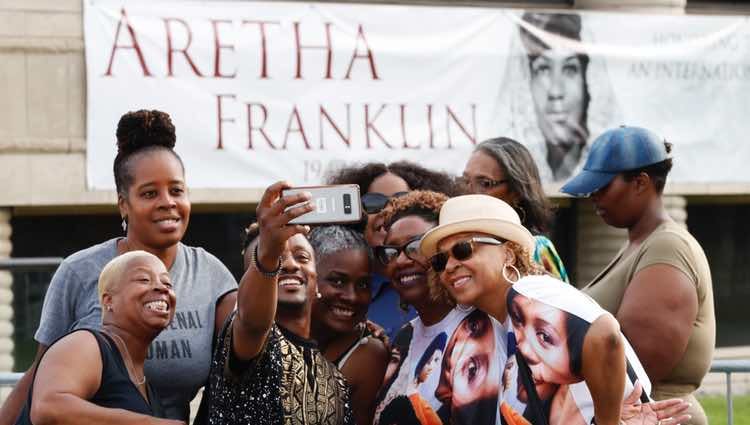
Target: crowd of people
x=446 y=303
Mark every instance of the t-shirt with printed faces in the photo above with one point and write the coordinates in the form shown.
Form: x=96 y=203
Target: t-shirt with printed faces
x=448 y=372
x=549 y=321
x=178 y=360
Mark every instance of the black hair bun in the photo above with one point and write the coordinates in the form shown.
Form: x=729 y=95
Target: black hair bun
x=140 y=129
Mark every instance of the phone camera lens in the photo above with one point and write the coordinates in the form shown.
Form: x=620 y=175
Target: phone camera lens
x=347 y=203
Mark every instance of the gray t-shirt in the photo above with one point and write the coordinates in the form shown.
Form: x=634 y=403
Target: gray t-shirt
x=178 y=360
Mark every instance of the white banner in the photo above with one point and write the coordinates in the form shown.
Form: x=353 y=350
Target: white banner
x=265 y=91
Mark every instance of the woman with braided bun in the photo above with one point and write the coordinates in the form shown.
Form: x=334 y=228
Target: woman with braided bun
x=152 y=197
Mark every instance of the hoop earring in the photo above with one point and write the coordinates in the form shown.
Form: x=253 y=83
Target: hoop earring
x=125 y=224
x=514 y=269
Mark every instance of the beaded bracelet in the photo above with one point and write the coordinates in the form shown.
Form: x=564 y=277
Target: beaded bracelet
x=269 y=274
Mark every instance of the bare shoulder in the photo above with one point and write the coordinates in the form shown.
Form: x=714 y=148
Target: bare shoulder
x=376 y=348
x=370 y=354
x=76 y=347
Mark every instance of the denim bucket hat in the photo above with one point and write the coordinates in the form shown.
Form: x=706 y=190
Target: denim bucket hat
x=616 y=150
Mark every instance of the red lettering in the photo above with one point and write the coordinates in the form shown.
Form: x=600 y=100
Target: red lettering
x=263 y=51
x=451 y=115
x=402 y=115
x=370 y=125
x=294 y=116
x=218 y=47
x=346 y=139
x=184 y=50
x=327 y=48
x=135 y=46
x=357 y=55
x=251 y=128
x=221 y=119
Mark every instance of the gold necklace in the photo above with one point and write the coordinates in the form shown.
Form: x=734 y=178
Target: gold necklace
x=128 y=360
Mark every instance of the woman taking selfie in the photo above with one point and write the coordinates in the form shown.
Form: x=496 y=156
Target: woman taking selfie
x=91 y=376
x=480 y=249
x=659 y=284
x=155 y=209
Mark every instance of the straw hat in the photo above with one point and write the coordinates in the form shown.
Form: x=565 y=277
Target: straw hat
x=477 y=213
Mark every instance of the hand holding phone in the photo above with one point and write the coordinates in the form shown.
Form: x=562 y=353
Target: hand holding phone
x=332 y=204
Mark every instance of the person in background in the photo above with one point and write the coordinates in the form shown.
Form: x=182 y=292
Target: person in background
x=152 y=197
x=343 y=261
x=504 y=168
x=659 y=285
x=378 y=183
x=97 y=376
x=480 y=249
x=266 y=369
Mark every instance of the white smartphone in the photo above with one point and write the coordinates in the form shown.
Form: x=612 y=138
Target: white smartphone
x=333 y=204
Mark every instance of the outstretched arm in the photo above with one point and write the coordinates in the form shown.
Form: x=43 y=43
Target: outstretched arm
x=257 y=295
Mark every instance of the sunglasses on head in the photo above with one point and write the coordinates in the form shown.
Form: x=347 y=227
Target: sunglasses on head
x=374 y=202
x=387 y=253
x=461 y=251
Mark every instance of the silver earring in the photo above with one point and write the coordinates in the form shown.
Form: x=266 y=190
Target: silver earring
x=109 y=308
x=125 y=224
x=514 y=269
x=318 y=295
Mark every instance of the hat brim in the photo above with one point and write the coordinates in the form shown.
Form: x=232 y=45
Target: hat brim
x=587 y=182
x=501 y=228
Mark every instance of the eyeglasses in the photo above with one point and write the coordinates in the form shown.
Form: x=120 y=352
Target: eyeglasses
x=461 y=251
x=374 y=202
x=483 y=183
x=387 y=253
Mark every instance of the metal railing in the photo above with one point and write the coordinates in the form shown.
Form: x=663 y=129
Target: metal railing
x=729 y=367
x=29 y=264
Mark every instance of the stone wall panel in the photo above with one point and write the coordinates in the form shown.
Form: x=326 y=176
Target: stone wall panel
x=47 y=95
x=13 y=100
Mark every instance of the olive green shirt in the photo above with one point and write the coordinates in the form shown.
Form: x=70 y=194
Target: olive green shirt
x=669 y=244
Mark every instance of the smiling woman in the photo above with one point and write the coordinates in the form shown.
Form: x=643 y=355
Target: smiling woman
x=155 y=209
x=344 y=265
x=98 y=376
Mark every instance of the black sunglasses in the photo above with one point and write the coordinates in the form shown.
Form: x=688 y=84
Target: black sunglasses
x=387 y=253
x=374 y=202
x=461 y=251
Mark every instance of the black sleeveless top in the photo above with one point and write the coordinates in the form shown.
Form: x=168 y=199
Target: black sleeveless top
x=116 y=389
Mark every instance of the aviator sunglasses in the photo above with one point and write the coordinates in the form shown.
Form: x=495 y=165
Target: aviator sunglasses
x=374 y=202
x=387 y=253
x=461 y=251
